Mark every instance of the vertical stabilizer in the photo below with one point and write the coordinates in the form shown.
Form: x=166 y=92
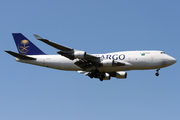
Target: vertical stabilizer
x=25 y=46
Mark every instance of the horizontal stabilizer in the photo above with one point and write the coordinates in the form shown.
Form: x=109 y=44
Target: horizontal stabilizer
x=20 y=56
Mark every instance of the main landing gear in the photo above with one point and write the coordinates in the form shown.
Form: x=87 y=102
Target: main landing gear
x=96 y=74
x=157 y=73
x=102 y=76
x=93 y=73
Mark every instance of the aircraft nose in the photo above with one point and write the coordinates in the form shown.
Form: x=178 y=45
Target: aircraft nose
x=170 y=60
x=173 y=60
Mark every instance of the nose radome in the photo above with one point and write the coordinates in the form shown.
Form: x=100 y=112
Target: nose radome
x=174 y=60
x=171 y=60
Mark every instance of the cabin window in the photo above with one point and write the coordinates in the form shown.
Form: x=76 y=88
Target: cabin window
x=162 y=52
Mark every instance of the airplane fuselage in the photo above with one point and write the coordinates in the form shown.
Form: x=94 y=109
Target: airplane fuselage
x=135 y=60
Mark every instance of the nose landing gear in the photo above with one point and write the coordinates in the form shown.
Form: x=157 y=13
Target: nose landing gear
x=157 y=73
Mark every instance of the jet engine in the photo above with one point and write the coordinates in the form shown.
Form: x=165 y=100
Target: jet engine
x=121 y=75
x=80 y=54
x=107 y=63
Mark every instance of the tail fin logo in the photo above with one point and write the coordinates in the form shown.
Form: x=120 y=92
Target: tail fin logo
x=23 y=46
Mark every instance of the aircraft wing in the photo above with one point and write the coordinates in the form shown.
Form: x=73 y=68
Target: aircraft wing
x=84 y=60
x=63 y=49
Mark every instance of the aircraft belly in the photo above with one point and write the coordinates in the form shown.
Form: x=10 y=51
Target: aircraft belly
x=148 y=65
x=53 y=62
x=115 y=68
x=63 y=64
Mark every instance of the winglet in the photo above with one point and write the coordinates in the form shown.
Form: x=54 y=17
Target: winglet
x=37 y=37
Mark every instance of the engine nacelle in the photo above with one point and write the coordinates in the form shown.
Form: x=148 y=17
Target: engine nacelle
x=107 y=63
x=80 y=54
x=121 y=75
x=107 y=77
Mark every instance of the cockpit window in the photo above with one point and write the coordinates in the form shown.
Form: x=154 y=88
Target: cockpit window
x=162 y=52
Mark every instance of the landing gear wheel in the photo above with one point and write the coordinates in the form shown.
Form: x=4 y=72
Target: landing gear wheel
x=91 y=76
x=157 y=74
x=101 y=79
x=102 y=76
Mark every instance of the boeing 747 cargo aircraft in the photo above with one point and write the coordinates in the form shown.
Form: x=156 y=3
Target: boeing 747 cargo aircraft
x=101 y=66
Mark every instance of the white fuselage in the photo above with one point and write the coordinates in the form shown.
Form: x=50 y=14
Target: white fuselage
x=134 y=60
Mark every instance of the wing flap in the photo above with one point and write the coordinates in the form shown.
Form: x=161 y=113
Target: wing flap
x=68 y=55
x=84 y=64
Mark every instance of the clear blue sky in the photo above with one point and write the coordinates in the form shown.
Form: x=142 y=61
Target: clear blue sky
x=30 y=92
